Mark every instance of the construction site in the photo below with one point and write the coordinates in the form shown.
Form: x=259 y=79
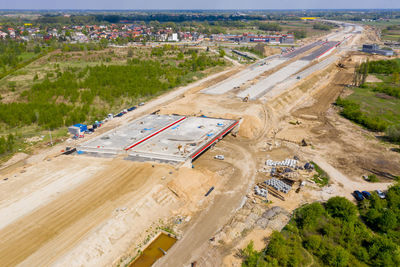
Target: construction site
x=230 y=168
x=160 y=138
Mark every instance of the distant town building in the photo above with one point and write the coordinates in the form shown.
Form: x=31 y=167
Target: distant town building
x=173 y=37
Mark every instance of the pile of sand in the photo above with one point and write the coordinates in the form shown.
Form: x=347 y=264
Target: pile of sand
x=250 y=127
x=191 y=184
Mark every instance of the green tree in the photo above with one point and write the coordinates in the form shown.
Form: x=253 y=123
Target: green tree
x=221 y=52
x=393 y=133
x=387 y=221
x=309 y=216
x=180 y=56
x=37 y=49
x=251 y=256
x=12 y=85
x=103 y=43
x=341 y=207
x=336 y=256
x=130 y=53
x=300 y=34
x=396 y=77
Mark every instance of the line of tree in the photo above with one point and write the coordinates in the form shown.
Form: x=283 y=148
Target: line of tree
x=142 y=17
x=360 y=73
x=322 y=27
x=269 y=27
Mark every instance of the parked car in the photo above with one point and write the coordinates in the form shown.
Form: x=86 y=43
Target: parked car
x=220 y=157
x=366 y=194
x=380 y=194
x=141 y=104
x=357 y=194
x=119 y=114
x=132 y=108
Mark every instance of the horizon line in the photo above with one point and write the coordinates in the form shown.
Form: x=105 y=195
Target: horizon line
x=233 y=9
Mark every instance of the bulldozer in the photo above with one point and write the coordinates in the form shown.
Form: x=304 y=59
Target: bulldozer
x=341 y=65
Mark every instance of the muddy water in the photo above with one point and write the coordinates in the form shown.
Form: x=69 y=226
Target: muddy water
x=154 y=251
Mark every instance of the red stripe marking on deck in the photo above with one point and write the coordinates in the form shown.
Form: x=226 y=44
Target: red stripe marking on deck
x=159 y=131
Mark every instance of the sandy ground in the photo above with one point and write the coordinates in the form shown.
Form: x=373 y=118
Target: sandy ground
x=83 y=211
x=89 y=205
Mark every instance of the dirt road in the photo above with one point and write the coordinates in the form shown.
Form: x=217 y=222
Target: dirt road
x=347 y=185
x=206 y=224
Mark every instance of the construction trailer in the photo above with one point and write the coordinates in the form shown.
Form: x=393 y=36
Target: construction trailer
x=77 y=129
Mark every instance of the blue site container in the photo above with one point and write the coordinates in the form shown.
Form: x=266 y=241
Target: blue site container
x=82 y=127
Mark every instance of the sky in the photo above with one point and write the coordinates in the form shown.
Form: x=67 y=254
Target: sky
x=199 y=4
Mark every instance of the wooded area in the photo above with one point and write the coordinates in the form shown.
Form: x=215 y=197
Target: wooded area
x=333 y=234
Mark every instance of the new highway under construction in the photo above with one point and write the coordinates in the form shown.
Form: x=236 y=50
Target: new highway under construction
x=187 y=161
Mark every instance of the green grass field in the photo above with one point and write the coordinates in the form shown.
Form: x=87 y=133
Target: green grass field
x=372 y=105
x=27 y=55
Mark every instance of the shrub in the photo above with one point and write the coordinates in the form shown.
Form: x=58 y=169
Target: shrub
x=309 y=215
x=322 y=27
x=342 y=208
x=352 y=111
x=300 y=34
x=384 y=66
x=372 y=178
x=393 y=133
